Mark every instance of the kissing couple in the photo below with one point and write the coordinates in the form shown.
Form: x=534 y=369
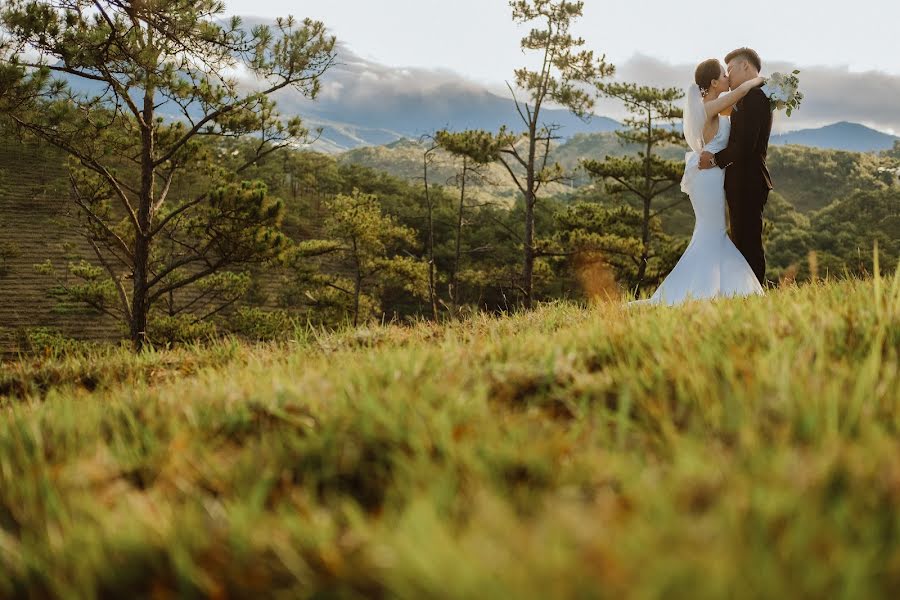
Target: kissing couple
x=727 y=125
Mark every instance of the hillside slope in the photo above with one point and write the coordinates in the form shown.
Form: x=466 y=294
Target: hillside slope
x=34 y=212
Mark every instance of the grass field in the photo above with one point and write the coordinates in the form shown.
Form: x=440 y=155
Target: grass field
x=741 y=448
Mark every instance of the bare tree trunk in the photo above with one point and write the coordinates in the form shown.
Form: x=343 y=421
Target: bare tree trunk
x=648 y=184
x=431 y=287
x=528 y=267
x=139 y=296
x=140 y=301
x=454 y=283
x=357 y=288
x=530 y=198
x=645 y=247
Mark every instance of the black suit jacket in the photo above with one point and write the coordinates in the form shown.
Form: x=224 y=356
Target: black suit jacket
x=745 y=156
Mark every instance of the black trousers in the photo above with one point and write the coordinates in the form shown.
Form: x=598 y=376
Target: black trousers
x=746 y=213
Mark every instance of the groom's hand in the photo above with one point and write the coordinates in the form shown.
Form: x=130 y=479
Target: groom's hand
x=707 y=160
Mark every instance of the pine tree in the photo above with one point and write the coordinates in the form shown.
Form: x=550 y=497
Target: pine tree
x=646 y=176
x=371 y=250
x=157 y=206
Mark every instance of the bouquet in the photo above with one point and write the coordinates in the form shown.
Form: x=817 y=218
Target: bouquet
x=784 y=91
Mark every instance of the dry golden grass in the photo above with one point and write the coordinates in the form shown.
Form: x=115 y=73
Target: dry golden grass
x=741 y=448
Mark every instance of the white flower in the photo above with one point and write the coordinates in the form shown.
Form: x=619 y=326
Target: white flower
x=782 y=91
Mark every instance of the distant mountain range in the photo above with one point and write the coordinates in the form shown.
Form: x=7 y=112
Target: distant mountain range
x=339 y=136
x=392 y=115
x=364 y=103
x=839 y=136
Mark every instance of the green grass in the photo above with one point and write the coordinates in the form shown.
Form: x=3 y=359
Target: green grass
x=740 y=448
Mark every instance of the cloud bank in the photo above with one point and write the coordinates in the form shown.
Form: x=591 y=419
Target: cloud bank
x=831 y=94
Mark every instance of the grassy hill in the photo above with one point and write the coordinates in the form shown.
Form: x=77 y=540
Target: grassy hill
x=403 y=159
x=740 y=448
x=811 y=178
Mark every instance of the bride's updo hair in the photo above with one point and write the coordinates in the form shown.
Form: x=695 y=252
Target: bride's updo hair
x=707 y=72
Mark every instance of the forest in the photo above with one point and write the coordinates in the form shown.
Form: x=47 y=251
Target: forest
x=827 y=212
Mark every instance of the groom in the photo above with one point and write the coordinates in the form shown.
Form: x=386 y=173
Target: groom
x=747 y=181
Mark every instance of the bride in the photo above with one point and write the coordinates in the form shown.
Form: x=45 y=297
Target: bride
x=712 y=266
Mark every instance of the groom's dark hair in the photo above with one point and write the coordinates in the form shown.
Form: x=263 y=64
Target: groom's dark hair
x=747 y=54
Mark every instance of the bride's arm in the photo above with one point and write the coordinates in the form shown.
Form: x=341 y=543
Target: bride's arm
x=725 y=101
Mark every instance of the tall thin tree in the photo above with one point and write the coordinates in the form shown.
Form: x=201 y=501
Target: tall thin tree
x=427 y=160
x=476 y=150
x=565 y=70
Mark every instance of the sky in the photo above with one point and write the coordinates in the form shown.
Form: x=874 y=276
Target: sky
x=850 y=46
x=477 y=38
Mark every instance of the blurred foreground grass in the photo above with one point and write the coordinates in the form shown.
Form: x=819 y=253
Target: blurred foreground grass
x=740 y=448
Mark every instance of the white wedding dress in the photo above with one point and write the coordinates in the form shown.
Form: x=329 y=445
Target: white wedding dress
x=712 y=266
